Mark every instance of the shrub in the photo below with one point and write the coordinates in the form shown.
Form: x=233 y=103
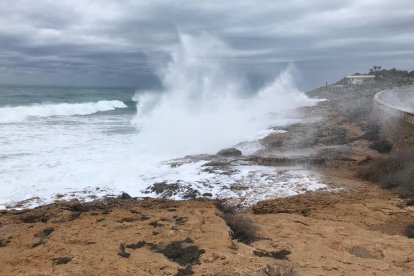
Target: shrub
x=242 y=228
x=226 y=208
x=395 y=171
x=409 y=230
x=382 y=146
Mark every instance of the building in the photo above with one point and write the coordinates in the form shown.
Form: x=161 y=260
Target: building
x=359 y=79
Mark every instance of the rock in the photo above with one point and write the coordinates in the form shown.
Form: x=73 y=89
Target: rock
x=238 y=187
x=45 y=233
x=42 y=235
x=63 y=260
x=216 y=163
x=168 y=190
x=122 y=252
x=4 y=243
x=190 y=193
x=230 y=152
x=280 y=255
x=35 y=216
x=185 y=271
x=125 y=196
x=365 y=253
x=156 y=224
x=136 y=245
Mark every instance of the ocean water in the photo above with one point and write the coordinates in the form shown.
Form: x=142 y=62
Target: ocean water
x=92 y=142
x=57 y=137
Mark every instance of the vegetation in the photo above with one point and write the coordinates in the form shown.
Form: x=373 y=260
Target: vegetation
x=394 y=171
x=242 y=228
x=409 y=231
x=382 y=146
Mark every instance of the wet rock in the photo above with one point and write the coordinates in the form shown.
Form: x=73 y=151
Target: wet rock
x=164 y=189
x=216 y=163
x=168 y=190
x=272 y=161
x=230 y=152
x=207 y=194
x=190 y=194
x=121 y=251
x=238 y=187
x=63 y=260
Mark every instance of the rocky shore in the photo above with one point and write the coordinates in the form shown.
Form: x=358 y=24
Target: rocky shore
x=353 y=227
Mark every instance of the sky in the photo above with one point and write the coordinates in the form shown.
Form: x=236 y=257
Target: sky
x=125 y=42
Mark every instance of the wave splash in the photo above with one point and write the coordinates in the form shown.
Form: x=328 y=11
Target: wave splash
x=205 y=105
x=21 y=113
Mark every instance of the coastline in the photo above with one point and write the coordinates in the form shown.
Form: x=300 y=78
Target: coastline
x=357 y=226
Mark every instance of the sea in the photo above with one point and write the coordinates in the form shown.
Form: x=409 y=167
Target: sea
x=86 y=143
x=61 y=137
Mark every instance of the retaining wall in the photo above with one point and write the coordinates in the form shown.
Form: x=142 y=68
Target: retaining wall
x=388 y=110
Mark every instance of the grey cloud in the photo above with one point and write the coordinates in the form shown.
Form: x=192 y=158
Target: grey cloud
x=112 y=42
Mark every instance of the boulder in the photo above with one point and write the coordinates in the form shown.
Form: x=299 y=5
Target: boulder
x=230 y=152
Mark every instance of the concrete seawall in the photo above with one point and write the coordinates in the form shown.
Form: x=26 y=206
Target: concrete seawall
x=394 y=110
x=396 y=103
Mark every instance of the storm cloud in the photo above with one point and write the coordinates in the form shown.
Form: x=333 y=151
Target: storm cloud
x=124 y=42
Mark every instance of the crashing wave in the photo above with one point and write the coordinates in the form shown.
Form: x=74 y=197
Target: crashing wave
x=20 y=113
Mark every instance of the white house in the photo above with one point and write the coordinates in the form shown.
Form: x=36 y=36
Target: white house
x=359 y=79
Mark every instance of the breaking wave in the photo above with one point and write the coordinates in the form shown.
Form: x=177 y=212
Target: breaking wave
x=205 y=104
x=20 y=113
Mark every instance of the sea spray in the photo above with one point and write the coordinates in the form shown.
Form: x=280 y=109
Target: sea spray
x=205 y=106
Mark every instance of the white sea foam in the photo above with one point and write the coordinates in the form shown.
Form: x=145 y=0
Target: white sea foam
x=20 y=113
